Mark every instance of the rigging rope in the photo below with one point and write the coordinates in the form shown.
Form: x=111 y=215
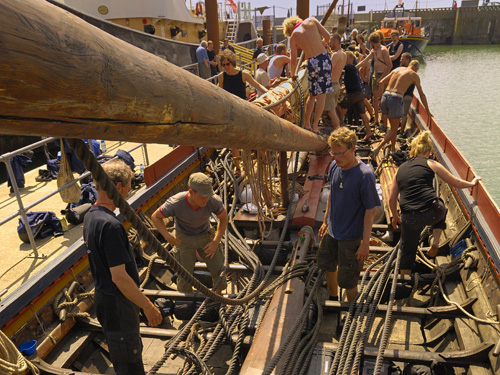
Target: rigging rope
x=131 y=216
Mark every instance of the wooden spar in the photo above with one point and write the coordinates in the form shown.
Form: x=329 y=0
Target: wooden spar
x=60 y=76
x=303 y=9
x=212 y=23
x=329 y=12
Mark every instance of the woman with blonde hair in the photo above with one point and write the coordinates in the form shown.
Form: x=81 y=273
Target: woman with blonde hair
x=418 y=200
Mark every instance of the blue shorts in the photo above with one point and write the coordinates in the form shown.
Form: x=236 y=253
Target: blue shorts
x=320 y=74
x=392 y=105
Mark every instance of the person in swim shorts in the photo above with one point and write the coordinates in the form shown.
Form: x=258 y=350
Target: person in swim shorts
x=310 y=36
x=392 y=100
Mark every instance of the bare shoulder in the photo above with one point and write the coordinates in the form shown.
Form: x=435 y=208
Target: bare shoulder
x=245 y=73
x=311 y=21
x=414 y=75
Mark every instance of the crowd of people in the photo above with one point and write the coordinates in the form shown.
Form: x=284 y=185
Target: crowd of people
x=345 y=73
x=357 y=78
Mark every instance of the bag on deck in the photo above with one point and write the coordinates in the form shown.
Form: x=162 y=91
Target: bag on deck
x=71 y=194
x=42 y=224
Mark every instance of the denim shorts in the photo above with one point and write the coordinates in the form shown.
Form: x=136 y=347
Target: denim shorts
x=392 y=105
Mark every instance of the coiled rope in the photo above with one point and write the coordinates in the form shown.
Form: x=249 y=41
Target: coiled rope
x=11 y=360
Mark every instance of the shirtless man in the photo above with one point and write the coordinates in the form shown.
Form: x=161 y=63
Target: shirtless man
x=381 y=67
x=338 y=62
x=408 y=95
x=310 y=35
x=392 y=100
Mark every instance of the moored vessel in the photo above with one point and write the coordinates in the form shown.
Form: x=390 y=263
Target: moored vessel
x=409 y=26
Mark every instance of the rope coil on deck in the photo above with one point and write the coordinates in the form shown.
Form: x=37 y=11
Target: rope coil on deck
x=11 y=360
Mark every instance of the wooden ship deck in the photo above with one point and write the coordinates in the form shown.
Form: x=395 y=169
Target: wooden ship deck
x=273 y=317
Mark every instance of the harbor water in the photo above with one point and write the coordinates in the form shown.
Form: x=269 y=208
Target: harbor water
x=462 y=85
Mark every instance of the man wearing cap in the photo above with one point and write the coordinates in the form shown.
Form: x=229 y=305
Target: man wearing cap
x=261 y=75
x=194 y=236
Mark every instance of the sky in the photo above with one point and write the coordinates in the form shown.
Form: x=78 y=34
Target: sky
x=283 y=5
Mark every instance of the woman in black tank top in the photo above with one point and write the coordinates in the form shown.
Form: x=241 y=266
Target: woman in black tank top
x=234 y=80
x=418 y=201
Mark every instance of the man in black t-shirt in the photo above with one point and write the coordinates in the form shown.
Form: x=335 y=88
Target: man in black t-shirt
x=117 y=295
x=354 y=96
x=212 y=59
x=259 y=42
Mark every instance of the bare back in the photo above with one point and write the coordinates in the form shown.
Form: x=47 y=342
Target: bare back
x=401 y=79
x=338 y=62
x=308 y=37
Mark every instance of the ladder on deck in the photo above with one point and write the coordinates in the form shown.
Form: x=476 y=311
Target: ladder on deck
x=232 y=30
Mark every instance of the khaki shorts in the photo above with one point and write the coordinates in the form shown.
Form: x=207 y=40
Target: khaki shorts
x=375 y=77
x=333 y=254
x=185 y=253
x=332 y=98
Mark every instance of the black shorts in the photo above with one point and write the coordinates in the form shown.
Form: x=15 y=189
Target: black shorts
x=333 y=253
x=355 y=100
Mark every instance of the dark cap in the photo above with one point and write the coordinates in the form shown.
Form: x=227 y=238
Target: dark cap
x=201 y=183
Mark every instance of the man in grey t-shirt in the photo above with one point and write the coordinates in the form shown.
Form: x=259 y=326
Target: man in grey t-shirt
x=193 y=233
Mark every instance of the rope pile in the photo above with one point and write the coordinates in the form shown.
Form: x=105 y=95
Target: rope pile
x=11 y=360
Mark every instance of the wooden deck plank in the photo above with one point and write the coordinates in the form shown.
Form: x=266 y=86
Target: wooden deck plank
x=67 y=353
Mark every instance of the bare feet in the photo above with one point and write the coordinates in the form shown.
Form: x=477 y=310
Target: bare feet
x=432 y=252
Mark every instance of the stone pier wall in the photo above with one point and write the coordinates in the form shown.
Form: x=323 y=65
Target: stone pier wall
x=463 y=25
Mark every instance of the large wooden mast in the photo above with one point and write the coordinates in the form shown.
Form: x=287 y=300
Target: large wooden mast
x=60 y=76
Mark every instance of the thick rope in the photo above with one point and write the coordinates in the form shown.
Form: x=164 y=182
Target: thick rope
x=388 y=316
x=11 y=360
x=131 y=216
